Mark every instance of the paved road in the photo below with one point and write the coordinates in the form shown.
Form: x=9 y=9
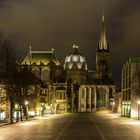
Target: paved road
x=77 y=126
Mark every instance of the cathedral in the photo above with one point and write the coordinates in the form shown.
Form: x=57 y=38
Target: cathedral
x=71 y=85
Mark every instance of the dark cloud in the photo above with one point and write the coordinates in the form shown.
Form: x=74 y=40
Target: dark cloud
x=47 y=24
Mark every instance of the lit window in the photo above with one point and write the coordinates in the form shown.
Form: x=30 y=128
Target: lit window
x=79 y=65
x=70 y=65
x=82 y=59
x=75 y=58
x=67 y=59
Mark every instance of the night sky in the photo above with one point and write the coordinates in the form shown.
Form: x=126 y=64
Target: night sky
x=58 y=24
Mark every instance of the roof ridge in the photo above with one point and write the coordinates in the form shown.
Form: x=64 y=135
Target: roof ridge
x=41 y=52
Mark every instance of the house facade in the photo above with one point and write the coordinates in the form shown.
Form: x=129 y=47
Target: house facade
x=131 y=88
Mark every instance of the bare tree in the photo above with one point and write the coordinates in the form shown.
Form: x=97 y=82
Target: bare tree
x=25 y=80
x=7 y=70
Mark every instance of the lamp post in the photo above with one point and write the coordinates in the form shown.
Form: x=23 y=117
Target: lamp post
x=26 y=104
x=138 y=109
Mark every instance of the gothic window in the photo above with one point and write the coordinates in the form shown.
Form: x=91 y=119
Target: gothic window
x=92 y=105
x=82 y=59
x=61 y=95
x=36 y=72
x=45 y=74
x=101 y=101
x=79 y=65
x=82 y=105
x=70 y=65
x=75 y=58
x=83 y=94
x=92 y=95
x=87 y=95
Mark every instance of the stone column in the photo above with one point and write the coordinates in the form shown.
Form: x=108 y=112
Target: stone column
x=107 y=97
x=72 y=96
x=85 y=95
x=79 y=100
x=90 y=99
x=95 y=98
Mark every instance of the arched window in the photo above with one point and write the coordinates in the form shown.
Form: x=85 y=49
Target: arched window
x=36 y=72
x=45 y=74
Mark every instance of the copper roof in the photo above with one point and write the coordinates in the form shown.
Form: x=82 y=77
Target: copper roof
x=40 y=57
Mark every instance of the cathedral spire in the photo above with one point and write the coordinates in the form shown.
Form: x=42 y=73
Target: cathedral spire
x=103 y=40
x=30 y=49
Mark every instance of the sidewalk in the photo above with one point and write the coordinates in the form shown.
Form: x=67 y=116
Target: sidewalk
x=118 y=118
x=4 y=123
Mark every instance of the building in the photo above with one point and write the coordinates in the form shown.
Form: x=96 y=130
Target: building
x=71 y=86
x=41 y=63
x=95 y=97
x=98 y=92
x=131 y=88
x=103 y=70
x=52 y=94
x=59 y=102
x=76 y=67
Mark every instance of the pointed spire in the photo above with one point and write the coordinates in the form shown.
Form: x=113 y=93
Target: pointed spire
x=103 y=40
x=30 y=48
x=30 y=54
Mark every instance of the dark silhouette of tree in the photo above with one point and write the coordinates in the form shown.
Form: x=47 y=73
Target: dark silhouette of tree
x=25 y=81
x=7 y=70
x=17 y=80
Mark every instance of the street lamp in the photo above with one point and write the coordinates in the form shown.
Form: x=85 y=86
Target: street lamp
x=26 y=104
x=138 y=109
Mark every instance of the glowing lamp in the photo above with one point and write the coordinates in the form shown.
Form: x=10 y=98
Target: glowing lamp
x=26 y=102
x=138 y=102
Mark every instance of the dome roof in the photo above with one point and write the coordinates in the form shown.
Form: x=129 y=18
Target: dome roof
x=75 y=58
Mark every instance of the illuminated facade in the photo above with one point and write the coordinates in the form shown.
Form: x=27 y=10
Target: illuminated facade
x=76 y=67
x=46 y=66
x=99 y=90
x=95 y=97
x=76 y=74
x=131 y=88
x=59 y=102
x=71 y=86
x=103 y=71
x=40 y=63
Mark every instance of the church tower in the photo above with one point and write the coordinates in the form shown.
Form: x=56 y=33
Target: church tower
x=103 y=71
x=76 y=66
